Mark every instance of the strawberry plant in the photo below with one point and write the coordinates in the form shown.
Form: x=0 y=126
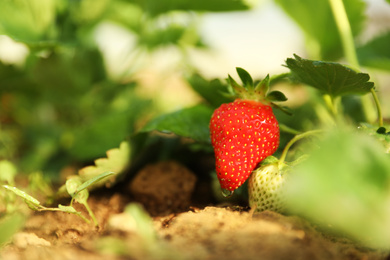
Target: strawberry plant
x=78 y=191
x=244 y=132
x=324 y=169
x=324 y=157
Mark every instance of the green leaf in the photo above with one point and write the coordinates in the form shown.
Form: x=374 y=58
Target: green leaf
x=93 y=180
x=22 y=194
x=113 y=166
x=9 y=225
x=7 y=172
x=64 y=75
x=27 y=21
x=237 y=88
x=190 y=122
x=88 y=11
x=143 y=221
x=245 y=77
x=317 y=21
x=126 y=13
x=329 y=77
x=159 y=37
x=93 y=139
x=381 y=134
x=72 y=184
x=107 y=128
x=344 y=186
x=262 y=87
x=82 y=197
x=276 y=96
x=68 y=209
x=157 y=7
x=376 y=53
x=116 y=162
x=212 y=91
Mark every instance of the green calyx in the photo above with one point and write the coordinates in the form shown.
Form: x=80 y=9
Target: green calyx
x=259 y=92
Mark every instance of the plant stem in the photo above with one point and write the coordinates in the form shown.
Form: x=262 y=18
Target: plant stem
x=287 y=129
x=43 y=208
x=379 y=110
x=344 y=27
x=294 y=140
x=90 y=212
x=329 y=101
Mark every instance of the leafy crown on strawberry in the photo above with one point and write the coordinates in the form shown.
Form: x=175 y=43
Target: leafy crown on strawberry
x=245 y=131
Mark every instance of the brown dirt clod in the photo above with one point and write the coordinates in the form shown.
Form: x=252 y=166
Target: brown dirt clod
x=164 y=187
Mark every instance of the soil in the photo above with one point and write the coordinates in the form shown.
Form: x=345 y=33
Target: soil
x=176 y=226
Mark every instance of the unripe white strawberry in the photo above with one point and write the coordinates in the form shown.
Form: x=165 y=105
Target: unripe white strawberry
x=265 y=186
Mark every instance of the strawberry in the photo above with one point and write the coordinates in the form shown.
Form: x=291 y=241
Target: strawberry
x=265 y=185
x=244 y=132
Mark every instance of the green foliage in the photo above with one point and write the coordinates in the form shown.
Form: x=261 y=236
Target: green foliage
x=330 y=78
x=345 y=185
x=9 y=226
x=376 y=53
x=190 y=122
x=211 y=91
x=62 y=106
x=7 y=172
x=116 y=162
x=311 y=15
x=28 y=20
x=156 y=8
x=143 y=223
x=79 y=191
x=92 y=181
x=245 y=77
x=75 y=112
x=75 y=188
x=382 y=134
x=78 y=186
x=22 y=194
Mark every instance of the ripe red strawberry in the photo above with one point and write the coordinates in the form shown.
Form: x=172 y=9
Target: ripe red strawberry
x=244 y=132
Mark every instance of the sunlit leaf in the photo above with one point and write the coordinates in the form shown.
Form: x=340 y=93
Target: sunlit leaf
x=88 y=11
x=28 y=21
x=93 y=180
x=72 y=184
x=22 y=194
x=116 y=162
x=7 y=171
x=105 y=172
x=82 y=197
